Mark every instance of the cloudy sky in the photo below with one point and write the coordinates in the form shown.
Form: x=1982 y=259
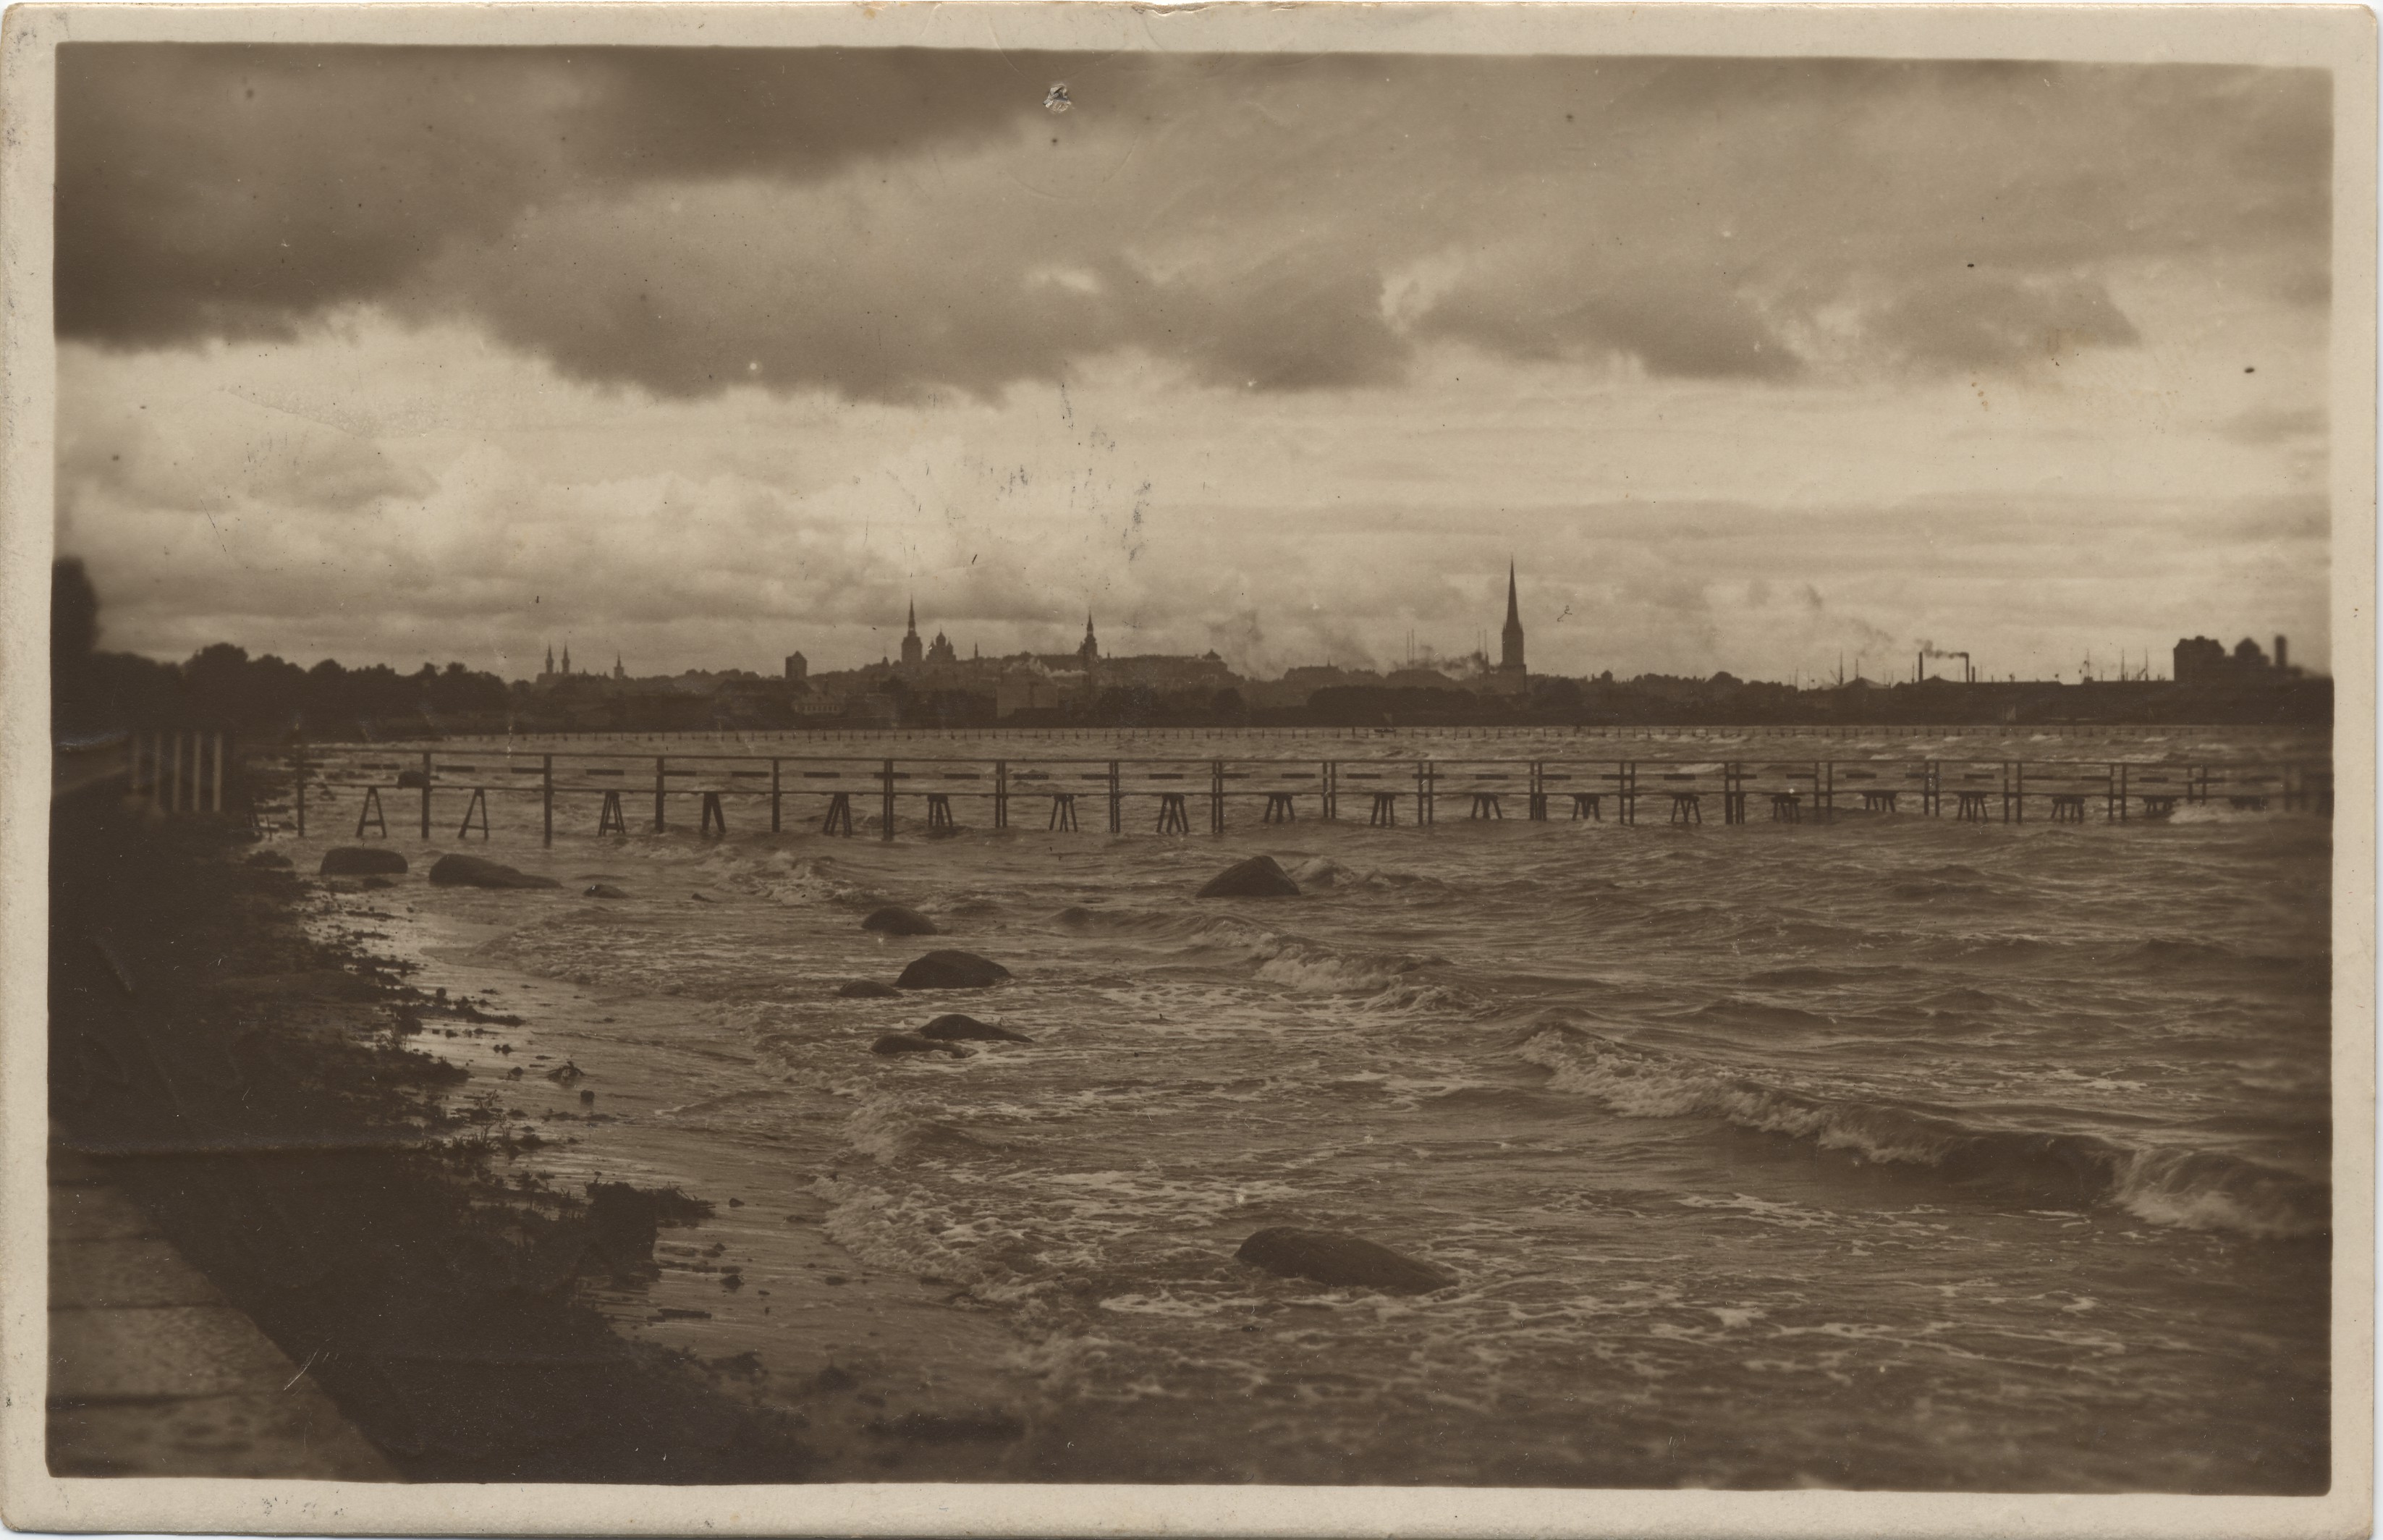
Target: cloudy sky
x=704 y=355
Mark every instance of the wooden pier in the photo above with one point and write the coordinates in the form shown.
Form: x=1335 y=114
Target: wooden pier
x=582 y=791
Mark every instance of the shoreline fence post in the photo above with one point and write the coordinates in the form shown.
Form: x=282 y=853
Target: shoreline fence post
x=426 y=794
x=546 y=796
x=887 y=833
x=776 y=799
x=301 y=779
x=660 y=770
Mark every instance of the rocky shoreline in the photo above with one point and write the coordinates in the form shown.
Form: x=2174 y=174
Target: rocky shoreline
x=259 y=1091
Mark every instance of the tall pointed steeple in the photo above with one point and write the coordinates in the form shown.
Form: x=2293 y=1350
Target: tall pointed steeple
x=1090 y=649
x=912 y=648
x=1510 y=655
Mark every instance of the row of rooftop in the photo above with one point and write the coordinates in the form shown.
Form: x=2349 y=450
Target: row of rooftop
x=1029 y=682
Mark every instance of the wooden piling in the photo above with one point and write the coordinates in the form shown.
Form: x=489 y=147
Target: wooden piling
x=1116 y=801
x=1215 y=796
x=546 y=796
x=886 y=833
x=1001 y=794
x=426 y=794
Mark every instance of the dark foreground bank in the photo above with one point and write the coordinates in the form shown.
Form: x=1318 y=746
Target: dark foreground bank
x=258 y=1093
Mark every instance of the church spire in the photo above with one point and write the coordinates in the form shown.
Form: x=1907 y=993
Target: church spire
x=914 y=618
x=1511 y=654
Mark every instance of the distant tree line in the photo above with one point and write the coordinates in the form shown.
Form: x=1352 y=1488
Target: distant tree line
x=94 y=693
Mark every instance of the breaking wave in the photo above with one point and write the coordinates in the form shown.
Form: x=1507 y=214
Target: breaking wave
x=2183 y=1188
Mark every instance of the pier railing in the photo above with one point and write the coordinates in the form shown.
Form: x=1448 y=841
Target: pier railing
x=608 y=793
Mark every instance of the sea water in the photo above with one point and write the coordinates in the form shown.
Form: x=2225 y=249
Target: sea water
x=1893 y=1153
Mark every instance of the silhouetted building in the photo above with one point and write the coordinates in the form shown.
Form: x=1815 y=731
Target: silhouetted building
x=2201 y=660
x=798 y=668
x=1511 y=677
x=912 y=648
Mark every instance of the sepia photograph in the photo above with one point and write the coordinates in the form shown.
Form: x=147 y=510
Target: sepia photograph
x=1438 y=754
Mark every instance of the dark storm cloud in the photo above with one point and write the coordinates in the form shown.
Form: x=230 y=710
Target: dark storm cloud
x=228 y=190
x=888 y=224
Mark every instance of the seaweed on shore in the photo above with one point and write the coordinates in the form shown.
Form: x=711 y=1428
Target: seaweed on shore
x=257 y=1091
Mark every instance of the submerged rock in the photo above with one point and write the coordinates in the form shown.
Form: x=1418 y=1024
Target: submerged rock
x=605 y=890
x=1074 y=913
x=896 y=920
x=956 y=1028
x=893 y=1043
x=866 y=989
x=1341 y=1260
x=474 y=872
x=1258 y=877
x=951 y=971
x=353 y=861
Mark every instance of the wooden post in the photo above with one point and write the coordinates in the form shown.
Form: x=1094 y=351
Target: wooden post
x=1116 y=801
x=1829 y=792
x=2122 y=793
x=426 y=794
x=301 y=779
x=888 y=833
x=1215 y=796
x=2018 y=802
x=660 y=770
x=1332 y=789
x=777 y=797
x=1001 y=794
x=545 y=794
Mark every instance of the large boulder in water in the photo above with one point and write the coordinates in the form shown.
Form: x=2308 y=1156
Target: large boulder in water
x=968 y=1029
x=1256 y=878
x=895 y=1044
x=866 y=989
x=896 y=920
x=474 y=871
x=1341 y=1261
x=356 y=860
x=951 y=971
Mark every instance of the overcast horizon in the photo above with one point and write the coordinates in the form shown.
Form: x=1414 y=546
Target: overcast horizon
x=701 y=357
